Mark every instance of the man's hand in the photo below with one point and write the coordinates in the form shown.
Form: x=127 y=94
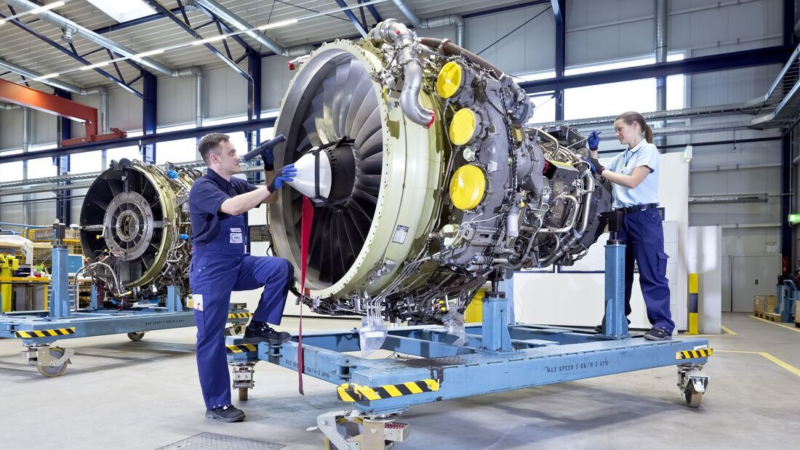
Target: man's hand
x=593 y=140
x=283 y=176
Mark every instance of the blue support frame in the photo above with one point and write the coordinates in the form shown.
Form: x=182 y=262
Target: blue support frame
x=560 y=15
x=789 y=295
x=724 y=61
x=353 y=18
x=499 y=355
x=62 y=163
x=146 y=140
x=72 y=54
x=149 y=116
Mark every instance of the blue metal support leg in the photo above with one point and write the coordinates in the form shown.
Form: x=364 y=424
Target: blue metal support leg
x=495 y=322
x=173 y=299
x=616 y=323
x=59 y=306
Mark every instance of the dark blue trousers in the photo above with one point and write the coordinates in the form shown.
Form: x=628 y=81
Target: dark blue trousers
x=214 y=277
x=643 y=233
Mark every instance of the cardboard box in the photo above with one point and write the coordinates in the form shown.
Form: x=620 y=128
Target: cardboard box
x=764 y=304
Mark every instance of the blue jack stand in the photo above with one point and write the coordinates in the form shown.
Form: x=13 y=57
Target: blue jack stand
x=499 y=355
x=789 y=295
x=38 y=330
x=615 y=322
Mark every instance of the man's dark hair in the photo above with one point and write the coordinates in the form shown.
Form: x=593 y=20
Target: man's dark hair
x=210 y=143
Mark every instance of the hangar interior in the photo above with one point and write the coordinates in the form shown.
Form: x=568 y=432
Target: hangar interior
x=716 y=80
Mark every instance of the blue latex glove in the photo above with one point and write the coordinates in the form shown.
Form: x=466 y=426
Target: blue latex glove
x=593 y=140
x=269 y=159
x=284 y=175
x=594 y=165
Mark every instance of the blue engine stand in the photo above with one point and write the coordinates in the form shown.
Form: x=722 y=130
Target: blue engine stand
x=39 y=329
x=499 y=356
x=789 y=294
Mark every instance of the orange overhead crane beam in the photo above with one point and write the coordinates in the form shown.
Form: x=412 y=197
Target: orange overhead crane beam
x=61 y=107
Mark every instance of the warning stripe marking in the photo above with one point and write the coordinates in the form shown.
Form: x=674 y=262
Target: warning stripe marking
x=350 y=392
x=243 y=315
x=242 y=348
x=694 y=354
x=44 y=333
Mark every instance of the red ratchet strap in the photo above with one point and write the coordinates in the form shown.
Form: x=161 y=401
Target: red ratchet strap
x=305 y=235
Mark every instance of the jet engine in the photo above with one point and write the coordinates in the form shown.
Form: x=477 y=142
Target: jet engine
x=436 y=183
x=135 y=230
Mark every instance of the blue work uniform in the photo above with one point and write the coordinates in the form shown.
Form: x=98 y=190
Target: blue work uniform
x=643 y=233
x=220 y=264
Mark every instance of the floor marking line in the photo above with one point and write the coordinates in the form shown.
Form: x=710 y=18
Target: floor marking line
x=728 y=330
x=795 y=329
x=769 y=357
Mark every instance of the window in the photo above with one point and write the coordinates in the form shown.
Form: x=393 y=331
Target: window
x=11 y=171
x=86 y=162
x=131 y=152
x=614 y=98
x=545 y=110
x=41 y=167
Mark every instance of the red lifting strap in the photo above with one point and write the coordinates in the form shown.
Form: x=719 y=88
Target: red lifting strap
x=307 y=221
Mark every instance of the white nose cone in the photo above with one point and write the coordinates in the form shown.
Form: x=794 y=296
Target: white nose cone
x=313 y=171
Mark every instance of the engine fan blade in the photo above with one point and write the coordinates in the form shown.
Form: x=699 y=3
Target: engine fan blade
x=372 y=165
x=328 y=98
x=363 y=89
x=372 y=146
x=366 y=109
x=355 y=75
x=370 y=127
x=309 y=125
x=318 y=111
x=342 y=73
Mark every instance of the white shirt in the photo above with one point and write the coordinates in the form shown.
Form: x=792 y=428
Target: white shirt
x=644 y=154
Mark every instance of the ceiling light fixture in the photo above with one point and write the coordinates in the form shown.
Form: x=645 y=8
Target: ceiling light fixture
x=95 y=66
x=139 y=57
x=282 y=23
x=211 y=39
x=45 y=77
x=46 y=7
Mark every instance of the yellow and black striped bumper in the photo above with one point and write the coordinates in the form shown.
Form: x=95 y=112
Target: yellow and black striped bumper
x=241 y=348
x=244 y=315
x=350 y=392
x=44 y=333
x=693 y=354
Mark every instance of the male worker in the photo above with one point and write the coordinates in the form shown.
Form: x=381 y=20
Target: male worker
x=218 y=205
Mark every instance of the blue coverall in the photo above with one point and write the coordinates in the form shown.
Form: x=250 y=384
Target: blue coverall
x=220 y=265
x=643 y=233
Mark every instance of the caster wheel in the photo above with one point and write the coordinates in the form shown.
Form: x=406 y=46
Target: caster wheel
x=54 y=371
x=693 y=398
x=243 y=393
x=136 y=336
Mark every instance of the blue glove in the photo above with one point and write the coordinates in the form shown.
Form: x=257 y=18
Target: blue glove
x=269 y=159
x=284 y=175
x=593 y=140
x=594 y=165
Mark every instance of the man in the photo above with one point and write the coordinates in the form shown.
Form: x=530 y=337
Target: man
x=218 y=205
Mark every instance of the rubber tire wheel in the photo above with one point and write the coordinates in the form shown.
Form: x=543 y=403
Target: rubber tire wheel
x=136 y=336
x=54 y=371
x=243 y=393
x=693 y=398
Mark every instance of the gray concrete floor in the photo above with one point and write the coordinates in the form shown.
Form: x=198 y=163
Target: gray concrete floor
x=144 y=395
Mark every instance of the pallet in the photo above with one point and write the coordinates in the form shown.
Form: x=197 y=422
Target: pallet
x=773 y=317
x=758 y=314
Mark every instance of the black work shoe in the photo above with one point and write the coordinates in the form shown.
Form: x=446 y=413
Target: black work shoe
x=228 y=414
x=263 y=332
x=599 y=328
x=657 y=334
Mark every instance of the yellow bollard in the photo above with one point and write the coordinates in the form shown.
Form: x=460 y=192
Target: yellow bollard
x=694 y=299
x=8 y=264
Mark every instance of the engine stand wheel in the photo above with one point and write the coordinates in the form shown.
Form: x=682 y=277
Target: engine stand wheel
x=136 y=336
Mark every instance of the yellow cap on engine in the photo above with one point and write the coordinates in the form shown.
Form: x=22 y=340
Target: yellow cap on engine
x=467 y=187
x=462 y=127
x=449 y=80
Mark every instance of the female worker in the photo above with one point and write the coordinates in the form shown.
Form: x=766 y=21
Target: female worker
x=634 y=176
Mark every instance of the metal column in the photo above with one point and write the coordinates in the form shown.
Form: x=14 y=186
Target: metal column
x=149 y=114
x=560 y=15
x=63 y=203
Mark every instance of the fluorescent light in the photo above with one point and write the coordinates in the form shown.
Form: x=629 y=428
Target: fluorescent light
x=146 y=54
x=2 y=22
x=46 y=7
x=123 y=10
x=282 y=23
x=44 y=77
x=95 y=66
x=211 y=39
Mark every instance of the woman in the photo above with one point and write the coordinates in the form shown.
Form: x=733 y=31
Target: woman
x=634 y=176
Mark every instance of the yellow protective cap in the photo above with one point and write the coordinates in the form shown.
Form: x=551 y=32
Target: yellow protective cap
x=462 y=127
x=467 y=187
x=449 y=80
